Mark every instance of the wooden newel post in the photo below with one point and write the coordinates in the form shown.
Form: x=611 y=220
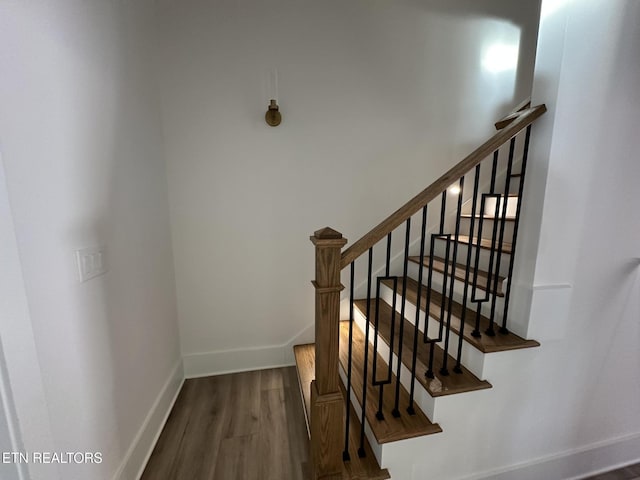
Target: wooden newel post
x=327 y=404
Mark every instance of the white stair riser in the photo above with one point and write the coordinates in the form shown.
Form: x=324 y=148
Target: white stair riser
x=487 y=228
x=472 y=358
x=458 y=291
x=490 y=205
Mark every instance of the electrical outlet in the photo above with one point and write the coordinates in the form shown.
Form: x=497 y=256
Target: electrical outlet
x=92 y=262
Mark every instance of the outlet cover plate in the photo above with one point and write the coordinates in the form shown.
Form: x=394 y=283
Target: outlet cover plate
x=92 y=262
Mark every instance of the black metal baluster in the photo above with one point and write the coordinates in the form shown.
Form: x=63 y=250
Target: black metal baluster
x=379 y=414
x=393 y=309
x=494 y=235
x=388 y=262
x=494 y=168
x=416 y=331
x=387 y=380
x=445 y=356
x=445 y=276
x=361 y=451
x=374 y=376
x=503 y=220
x=345 y=454
x=504 y=330
x=476 y=181
x=425 y=336
x=447 y=238
x=396 y=412
x=443 y=207
x=492 y=255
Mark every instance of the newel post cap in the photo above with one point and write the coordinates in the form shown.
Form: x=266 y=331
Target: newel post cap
x=328 y=236
x=327 y=233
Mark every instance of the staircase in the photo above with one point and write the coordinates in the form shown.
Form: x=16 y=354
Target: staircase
x=427 y=305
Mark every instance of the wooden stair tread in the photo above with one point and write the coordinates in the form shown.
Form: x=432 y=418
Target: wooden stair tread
x=485 y=243
x=438 y=266
x=441 y=384
x=357 y=468
x=390 y=428
x=306 y=367
x=485 y=343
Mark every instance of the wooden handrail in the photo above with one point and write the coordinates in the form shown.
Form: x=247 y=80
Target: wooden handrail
x=510 y=117
x=522 y=121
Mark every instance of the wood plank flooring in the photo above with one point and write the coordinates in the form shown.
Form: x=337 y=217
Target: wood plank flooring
x=243 y=426
x=260 y=436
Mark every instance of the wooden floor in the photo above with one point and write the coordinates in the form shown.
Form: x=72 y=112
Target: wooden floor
x=246 y=426
x=243 y=426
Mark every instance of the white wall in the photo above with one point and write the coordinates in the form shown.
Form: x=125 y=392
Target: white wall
x=378 y=99
x=366 y=92
x=23 y=396
x=81 y=145
x=571 y=407
x=590 y=223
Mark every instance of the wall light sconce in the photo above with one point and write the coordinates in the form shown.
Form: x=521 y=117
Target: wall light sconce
x=273 y=116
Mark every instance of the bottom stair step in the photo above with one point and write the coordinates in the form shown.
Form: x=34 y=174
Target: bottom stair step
x=357 y=468
x=306 y=368
x=390 y=428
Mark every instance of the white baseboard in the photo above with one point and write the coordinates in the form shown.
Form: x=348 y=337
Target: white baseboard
x=573 y=464
x=245 y=359
x=233 y=361
x=142 y=445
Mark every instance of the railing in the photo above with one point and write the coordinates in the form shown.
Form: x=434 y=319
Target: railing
x=440 y=230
